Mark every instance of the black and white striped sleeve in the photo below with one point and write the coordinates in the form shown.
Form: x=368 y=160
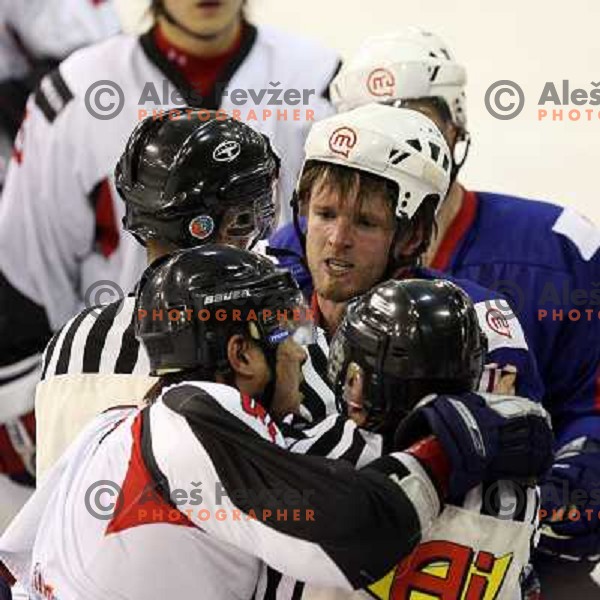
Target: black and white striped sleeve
x=97 y=340
x=336 y=437
x=354 y=525
x=319 y=399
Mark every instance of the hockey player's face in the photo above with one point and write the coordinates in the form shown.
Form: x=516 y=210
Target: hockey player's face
x=353 y=394
x=204 y=17
x=348 y=242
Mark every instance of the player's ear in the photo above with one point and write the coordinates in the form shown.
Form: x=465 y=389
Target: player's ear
x=419 y=232
x=451 y=133
x=241 y=355
x=411 y=241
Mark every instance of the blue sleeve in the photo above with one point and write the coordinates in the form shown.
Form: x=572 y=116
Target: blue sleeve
x=286 y=238
x=508 y=344
x=559 y=310
x=574 y=383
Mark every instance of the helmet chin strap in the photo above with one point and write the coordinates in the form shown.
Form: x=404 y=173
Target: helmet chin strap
x=457 y=164
x=162 y=10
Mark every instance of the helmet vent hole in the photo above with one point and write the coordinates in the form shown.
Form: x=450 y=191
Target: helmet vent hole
x=435 y=150
x=445 y=162
x=416 y=144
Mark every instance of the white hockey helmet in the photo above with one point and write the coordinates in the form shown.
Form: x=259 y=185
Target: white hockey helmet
x=397 y=144
x=406 y=65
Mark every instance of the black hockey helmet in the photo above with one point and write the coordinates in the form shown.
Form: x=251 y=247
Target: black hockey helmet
x=193 y=301
x=184 y=176
x=411 y=338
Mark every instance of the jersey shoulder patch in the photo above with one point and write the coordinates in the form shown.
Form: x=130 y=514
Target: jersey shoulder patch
x=500 y=325
x=579 y=230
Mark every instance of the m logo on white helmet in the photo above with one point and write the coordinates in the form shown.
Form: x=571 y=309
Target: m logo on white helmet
x=342 y=140
x=381 y=83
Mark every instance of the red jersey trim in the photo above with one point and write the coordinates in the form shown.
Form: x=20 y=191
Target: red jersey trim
x=107 y=231
x=139 y=502
x=201 y=73
x=456 y=232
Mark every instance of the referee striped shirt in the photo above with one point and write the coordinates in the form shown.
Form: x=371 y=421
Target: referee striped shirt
x=100 y=339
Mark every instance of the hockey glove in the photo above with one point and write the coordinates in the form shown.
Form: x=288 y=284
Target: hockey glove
x=571 y=502
x=486 y=437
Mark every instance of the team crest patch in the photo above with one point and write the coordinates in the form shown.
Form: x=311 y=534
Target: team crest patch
x=498 y=322
x=201 y=227
x=227 y=151
x=342 y=140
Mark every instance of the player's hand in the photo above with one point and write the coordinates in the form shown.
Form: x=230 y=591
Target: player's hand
x=485 y=437
x=571 y=503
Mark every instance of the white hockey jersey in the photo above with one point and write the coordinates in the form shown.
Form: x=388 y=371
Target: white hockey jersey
x=60 y=218
x=42 y=30
x=187 y=497
x=38 y=29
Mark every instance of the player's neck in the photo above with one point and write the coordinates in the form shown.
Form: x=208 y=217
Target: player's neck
x=444 y=218
x=156 y=250
x=204 y=48
x=331 y=314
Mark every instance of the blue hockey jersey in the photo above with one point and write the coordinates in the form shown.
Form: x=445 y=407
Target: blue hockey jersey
x=545 y=260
